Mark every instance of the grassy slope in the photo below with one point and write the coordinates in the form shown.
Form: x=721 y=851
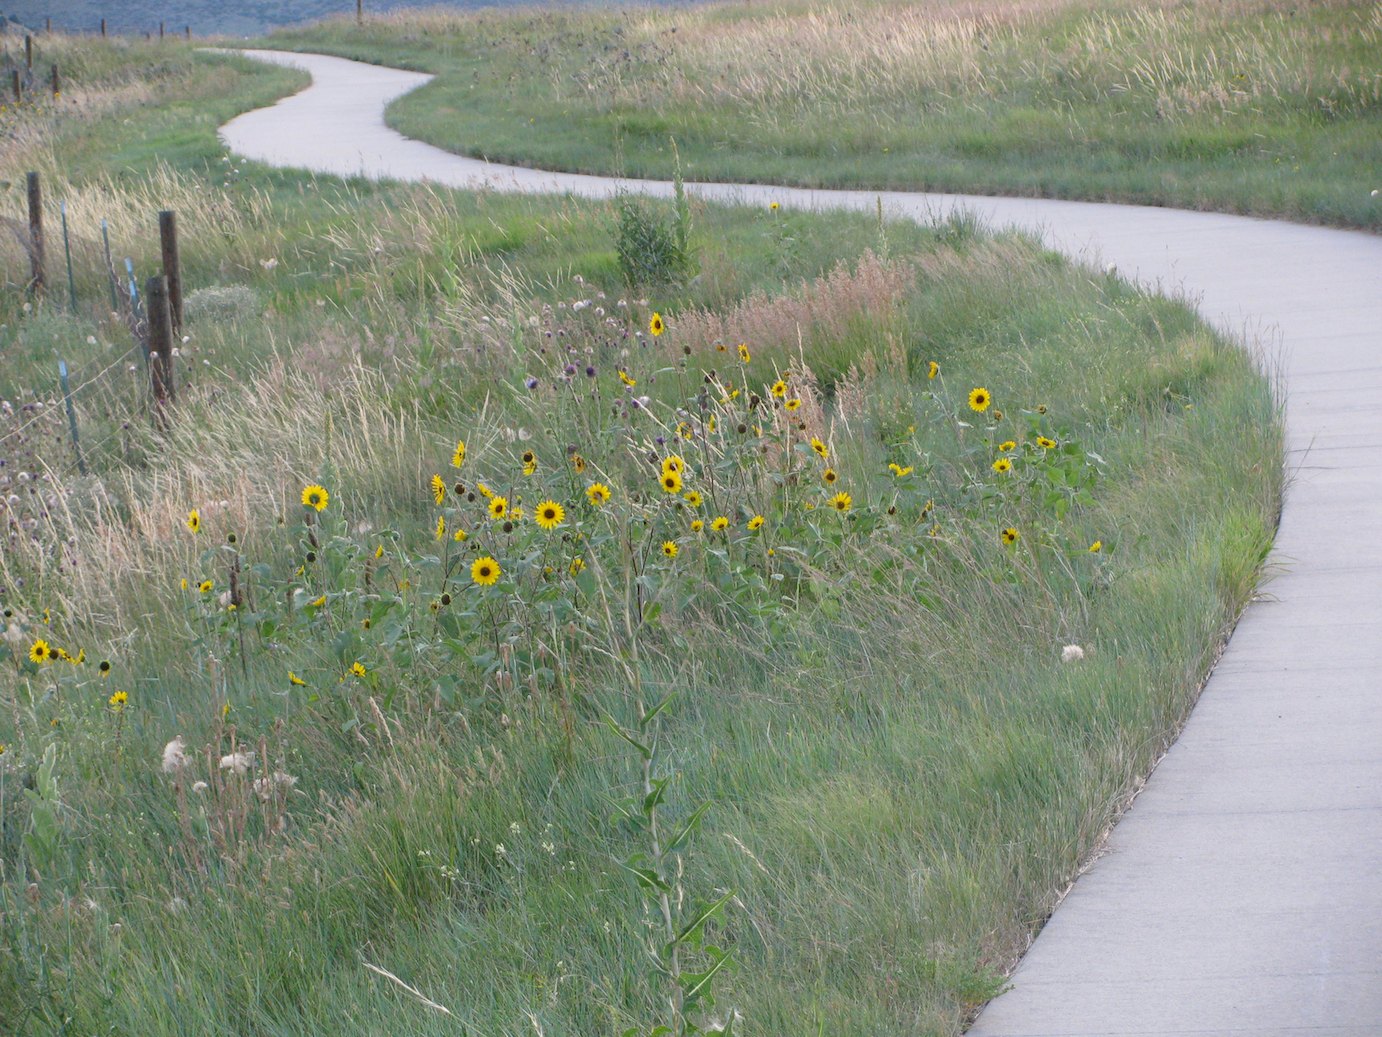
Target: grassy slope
x=903 y=774
x=1254 y=107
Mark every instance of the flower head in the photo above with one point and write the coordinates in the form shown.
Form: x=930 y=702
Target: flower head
x=485 y=571
x=1010 y=535
x=656 y=326
x=793 y=403
x=438 y=489
x=778 y=389
x=755 y=523
x=42 y=652
x=822 y=451
x=315 y=496
x=842 y=501
x=549 y=514
x=1007 y=444
x=932 y=369
x=597 y=493
x=1044 y=443
x=693 y=498
x=1002 y=465
x=295 y=680
x=357 y=669
x=669 y=548
x=174 y=759
x=577 y=566
x=498 y=507
x=979 y=400
x=719 y=523
x=744 y=353
x=1071 y=654
x=626 y=379
x=118 y=701
x=441 y=527
x=671 y=482
x=1096 y=547
x=194 y=520
x=830 y=477
x=697 y=525
x=458 y=458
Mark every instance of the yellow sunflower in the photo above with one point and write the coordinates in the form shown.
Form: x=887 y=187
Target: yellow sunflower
x=597 y=493
x=1011 y=535
x=755 y=523
x=316 y=497
x=671 y=482
x=656 y=326
x=1002 y=465
x=194 y=520
x=485 y=571
x=498 y=507
x=779 y=389
x=438 y=489
x=820 y=448
x=979 y=400
x=669 y=548
x=842 y=501
x=458 y=458
x=549 y=514
x=719 y=523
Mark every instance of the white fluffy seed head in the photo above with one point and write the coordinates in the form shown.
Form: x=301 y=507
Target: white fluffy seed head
x=1071 y=654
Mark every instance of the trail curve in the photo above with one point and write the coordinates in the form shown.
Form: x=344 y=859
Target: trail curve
x=1242 y=893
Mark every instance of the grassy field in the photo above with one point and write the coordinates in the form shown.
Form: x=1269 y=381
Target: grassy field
x=365 y=725
x=1255 y=106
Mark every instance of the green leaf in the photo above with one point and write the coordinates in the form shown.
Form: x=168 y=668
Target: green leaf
x=614 y=726
x=648 y=716
x=696 y=983
x=688 y=827
x=704 y=915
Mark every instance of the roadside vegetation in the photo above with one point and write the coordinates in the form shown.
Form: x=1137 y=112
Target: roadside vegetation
x=1257 y=106
x=508 y=636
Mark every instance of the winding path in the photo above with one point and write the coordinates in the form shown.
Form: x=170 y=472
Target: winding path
x=1242 y=894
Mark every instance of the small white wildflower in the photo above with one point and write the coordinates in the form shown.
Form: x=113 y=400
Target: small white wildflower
x=268 y=264
x=500 y=850
x=237 y=762
x=91 y=340
x=1071 y=654
x=515 y=828
x=173 y=758
x=200 y=787
x=550 y=849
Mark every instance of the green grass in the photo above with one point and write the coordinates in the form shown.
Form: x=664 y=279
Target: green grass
x=902 y=773
x=1255 y=107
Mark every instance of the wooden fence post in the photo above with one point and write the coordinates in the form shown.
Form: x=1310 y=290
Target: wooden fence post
x=29 y=53
x=37 y=281
x=359 y=12
x=172 y=267
x=16 y=86
x=103 y=28
x=160 y=30
x=160 y=347
x=57 y=83
x=189 y=32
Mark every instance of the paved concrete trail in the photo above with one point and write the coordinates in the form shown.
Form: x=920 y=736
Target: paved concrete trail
x=1242 y=894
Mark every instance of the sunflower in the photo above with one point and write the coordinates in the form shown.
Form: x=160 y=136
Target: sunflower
x=460 y=536
x=597 y=493
x=42 y=652
x=194 y=520
x=578 y=463
x=438 y=489
x=118 y=700
x=669 y=548
x=842 y=501
x=830 y=477
x=498 y=507
x=357 y=669
x=624 y=377
x=529 y=462
x=549 y=514
x=697 y=525
x=719 y=523
x=1007 y=444
x=458 y=458
x=316 y=497
x=755 y=523
x=778 y=389
x=656 y=326
x=693 y=498
x=485 y=571
x=673 y=463
x=484 y=490
x=979 y=400
x=671 y=482
x=744 y=353
x=902 y=470
x=792 y=404
x=1002 y=465
x=576 y=566
x=206 y=585
x=295 y=680
x=441 y=527
x=932 y=369
x=1096 y=547
x=820 y=448
x=1010 y=535
x=1044 y=443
